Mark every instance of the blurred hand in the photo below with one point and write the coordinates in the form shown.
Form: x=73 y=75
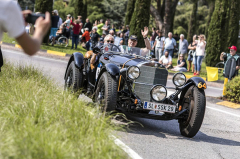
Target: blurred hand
x=145 y=32
x=25 y=13
x=43 y=25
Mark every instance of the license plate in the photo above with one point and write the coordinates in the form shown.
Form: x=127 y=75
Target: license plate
x=159 y=107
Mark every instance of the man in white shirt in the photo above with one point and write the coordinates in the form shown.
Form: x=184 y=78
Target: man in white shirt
x=166 y=60
x=12 y=21
x=159 y=45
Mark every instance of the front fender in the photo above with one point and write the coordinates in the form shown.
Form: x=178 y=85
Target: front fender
x=112 y=69
x=199 y=82
x=78 y=58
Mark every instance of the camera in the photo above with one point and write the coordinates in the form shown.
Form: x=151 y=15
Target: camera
x=31 y=18
x=224 y=55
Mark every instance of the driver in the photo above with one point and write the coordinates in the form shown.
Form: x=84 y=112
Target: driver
x=108 y=39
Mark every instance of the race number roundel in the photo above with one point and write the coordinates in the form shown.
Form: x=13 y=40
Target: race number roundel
x=106 y=49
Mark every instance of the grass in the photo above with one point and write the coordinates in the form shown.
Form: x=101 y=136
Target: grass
x=203 y=72
x=42 y=122
x=56 y=47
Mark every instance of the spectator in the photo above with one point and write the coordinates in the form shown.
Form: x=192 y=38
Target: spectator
x=106 y=28
x=225 y=58
x=101 y=40
x=88 y=24
x=183 y=46
x=111 y=32
x=54 y=25
x=75 y=36
x=159 y=45
x=169 y=44
x=126 y=35
x=95 y=37
x=181 y=64
x=67 y=22
x=113 y=28
x=166 y=60
x=60 y=19
x=154 y=35
x=124 y=30
x=86 y=38
x=79 y=19
x=99 y=26
x=12 y=21
x=192 y=53
x=200 y=52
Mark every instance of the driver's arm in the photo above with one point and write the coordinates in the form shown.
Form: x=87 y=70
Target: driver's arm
x=147 y=43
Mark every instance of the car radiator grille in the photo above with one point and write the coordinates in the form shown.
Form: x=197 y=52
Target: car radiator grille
x=149 y=76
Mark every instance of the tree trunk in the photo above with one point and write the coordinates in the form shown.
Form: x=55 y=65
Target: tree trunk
x=218 y=33
x=192 y=22
x=44 y=6
x=140 y=19
x=130 y=10
x=158 y=19
x=170 y=8
x=211 y=9
x=233 y=29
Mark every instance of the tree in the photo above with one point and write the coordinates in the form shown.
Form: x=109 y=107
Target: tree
x=192 y=22
x=140 y=19
x=44 y=6
x=233 y=28
x=211 y=9
x=170 y=8
x=130 y=10
x=217 y=41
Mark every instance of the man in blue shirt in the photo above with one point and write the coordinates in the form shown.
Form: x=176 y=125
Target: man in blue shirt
x=183 y=46
x=169 y=44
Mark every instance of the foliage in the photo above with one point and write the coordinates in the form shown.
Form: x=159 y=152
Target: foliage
x=218 y=31
x=181 y=30
x=234 y=18
x=38 y=120
x=44 y=6
x=140 y=19
x=193 y=21
x=233 y=90
x=130 y=9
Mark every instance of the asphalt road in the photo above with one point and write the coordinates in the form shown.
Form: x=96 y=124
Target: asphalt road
x=219 y=136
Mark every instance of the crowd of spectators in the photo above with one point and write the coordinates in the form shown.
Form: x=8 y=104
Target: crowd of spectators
x=162 y=48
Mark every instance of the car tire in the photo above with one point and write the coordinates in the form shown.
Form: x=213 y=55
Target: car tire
x=106 y=92
x=74 y=78
x=190 y=126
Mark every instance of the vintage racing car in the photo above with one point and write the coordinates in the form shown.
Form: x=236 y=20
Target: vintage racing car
x=122 y=79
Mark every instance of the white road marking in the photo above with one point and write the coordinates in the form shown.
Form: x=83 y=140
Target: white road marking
x=223 y=111
x=127 y=149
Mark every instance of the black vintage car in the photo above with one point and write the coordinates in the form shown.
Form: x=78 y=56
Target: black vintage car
x=124 y=79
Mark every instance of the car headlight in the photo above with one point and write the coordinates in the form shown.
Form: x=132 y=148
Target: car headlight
x=133 y=72
x=158 y=93
x=179 y=79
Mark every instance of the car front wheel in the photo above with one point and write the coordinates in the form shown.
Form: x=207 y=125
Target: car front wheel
x=106 y=92
x=195 y=102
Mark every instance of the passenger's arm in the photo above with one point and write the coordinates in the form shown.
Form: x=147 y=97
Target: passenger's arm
x=93 y=59
x=144 y=34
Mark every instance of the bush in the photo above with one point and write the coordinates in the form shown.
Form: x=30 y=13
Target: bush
x=233 y=90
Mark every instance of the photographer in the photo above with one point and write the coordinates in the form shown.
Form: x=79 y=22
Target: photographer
x=226 y=56
x=12 y=21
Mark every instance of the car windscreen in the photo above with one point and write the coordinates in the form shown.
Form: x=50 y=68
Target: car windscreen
x=132 y=50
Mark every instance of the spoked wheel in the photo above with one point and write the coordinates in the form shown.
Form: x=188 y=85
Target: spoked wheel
x=195 y=102
x=63 y=41
x=106 y=92
x=74 y=78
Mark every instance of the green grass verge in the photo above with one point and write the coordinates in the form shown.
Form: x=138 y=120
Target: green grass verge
x=40 y=121
x=56 y=47
x=203 y=70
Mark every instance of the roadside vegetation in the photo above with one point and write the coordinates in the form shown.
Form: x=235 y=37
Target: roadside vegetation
x=233 y=90
x=40 y=121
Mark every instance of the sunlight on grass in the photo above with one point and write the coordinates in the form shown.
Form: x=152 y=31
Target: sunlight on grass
x=40 y=121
